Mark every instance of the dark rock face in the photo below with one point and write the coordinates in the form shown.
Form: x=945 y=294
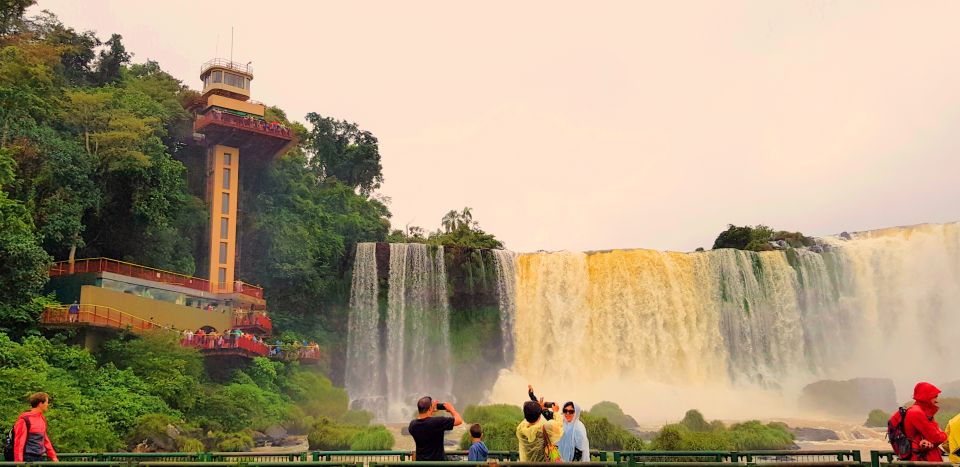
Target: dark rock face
x=853 y=397
x=814 y=434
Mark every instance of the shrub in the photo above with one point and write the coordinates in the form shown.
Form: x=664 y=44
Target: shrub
x=607 y=436
x=374 y=438
x=185 y=444
x=693 y=420
x=329 y=436
x=234 y=442
x=755 y=435
x=611 y=411
x=751 y=435
x=498 y=436
x=877 y=419
x=493 y=414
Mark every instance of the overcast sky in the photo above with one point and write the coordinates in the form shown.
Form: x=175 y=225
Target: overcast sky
x=599 y=125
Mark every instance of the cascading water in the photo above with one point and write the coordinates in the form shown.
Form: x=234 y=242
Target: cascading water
x=723 y=328
x=506 y=296
x=660 y=332
x=363 y=370
x=415 y=359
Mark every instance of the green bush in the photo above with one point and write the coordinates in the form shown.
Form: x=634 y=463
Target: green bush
x=611 y=411
x=498 y=436
x=234 y=442
x=327 y=435
x=877 y=419
x=693 y=420
x=493 y=413
x=751 y=435
x=606 y=436
x=185 y=444
x=374 y=438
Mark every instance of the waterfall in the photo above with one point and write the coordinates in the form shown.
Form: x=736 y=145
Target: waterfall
x=735 y=332
x=396 y=328
x=363 y=380
x=735 y=328
x=506 y=296
x=415 y=359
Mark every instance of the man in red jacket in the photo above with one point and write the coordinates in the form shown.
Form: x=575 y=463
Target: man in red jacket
x=33 y=446
x=924 y=433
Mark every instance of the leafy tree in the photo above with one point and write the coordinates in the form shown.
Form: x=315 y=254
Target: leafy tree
x=111 y=61
x=23 y=263
x=11 y=14
x=342 y=150
x=693 y=420
x=76 y=49
x=459 y=229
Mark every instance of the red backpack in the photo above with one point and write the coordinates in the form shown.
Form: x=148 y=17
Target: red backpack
x=897 y=435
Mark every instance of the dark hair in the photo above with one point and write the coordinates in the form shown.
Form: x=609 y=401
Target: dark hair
x=476 y=431
x=423 y=405
x=531 y=411
x=38 y=398
x=569 y=404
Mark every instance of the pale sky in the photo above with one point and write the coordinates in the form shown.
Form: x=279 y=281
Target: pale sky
x=600 y=125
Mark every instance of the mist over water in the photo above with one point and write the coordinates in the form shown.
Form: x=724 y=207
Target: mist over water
x=734 y=333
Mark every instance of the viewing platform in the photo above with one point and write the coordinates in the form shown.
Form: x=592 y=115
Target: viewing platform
x=100 y=265
x=94 y=316
x=253 y=322
x=248 y=133
x=227 y=345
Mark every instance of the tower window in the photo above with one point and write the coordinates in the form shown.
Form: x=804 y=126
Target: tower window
x=223 y=252
x=226 y=179
x=227 y=158
x=224 y=228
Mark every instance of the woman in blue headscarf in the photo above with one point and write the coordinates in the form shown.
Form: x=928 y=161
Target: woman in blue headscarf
x=573 y=445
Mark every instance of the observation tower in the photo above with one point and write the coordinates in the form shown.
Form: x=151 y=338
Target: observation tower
x=236 y=138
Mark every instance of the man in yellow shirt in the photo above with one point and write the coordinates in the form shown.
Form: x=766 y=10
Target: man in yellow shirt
x=953 y=439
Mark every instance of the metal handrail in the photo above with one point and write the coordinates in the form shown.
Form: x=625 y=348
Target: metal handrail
x=93 y=314
x=101 y=264
x=224 y=63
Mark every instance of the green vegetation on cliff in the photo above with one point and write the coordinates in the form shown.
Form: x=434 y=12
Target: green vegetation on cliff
x=758 y=238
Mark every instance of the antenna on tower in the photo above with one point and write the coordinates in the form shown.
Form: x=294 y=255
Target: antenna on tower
x=216 y=48
x=231 y=43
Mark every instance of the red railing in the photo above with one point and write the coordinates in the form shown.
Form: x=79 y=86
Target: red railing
x=95 y=315
x=216 y=117
x=253 y=319
x=212 y=343
x=62 y=268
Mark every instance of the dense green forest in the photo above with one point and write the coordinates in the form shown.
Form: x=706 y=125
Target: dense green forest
x=96 y=160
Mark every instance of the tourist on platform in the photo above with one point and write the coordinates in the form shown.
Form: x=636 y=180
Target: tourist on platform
x=30 y=440
x=924 y=433
x=953 y=439
x=478 y=450
x=574 y=445
x=74 y=312
x=427 y=430
x=548 y=407
x=537 y=436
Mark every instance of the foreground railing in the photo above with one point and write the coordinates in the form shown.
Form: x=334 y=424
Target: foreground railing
x=800 y=458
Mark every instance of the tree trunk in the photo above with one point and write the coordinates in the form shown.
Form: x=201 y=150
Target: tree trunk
x=73 y=253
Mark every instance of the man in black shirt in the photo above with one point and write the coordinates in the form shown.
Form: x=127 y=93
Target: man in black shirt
x=427 y=430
